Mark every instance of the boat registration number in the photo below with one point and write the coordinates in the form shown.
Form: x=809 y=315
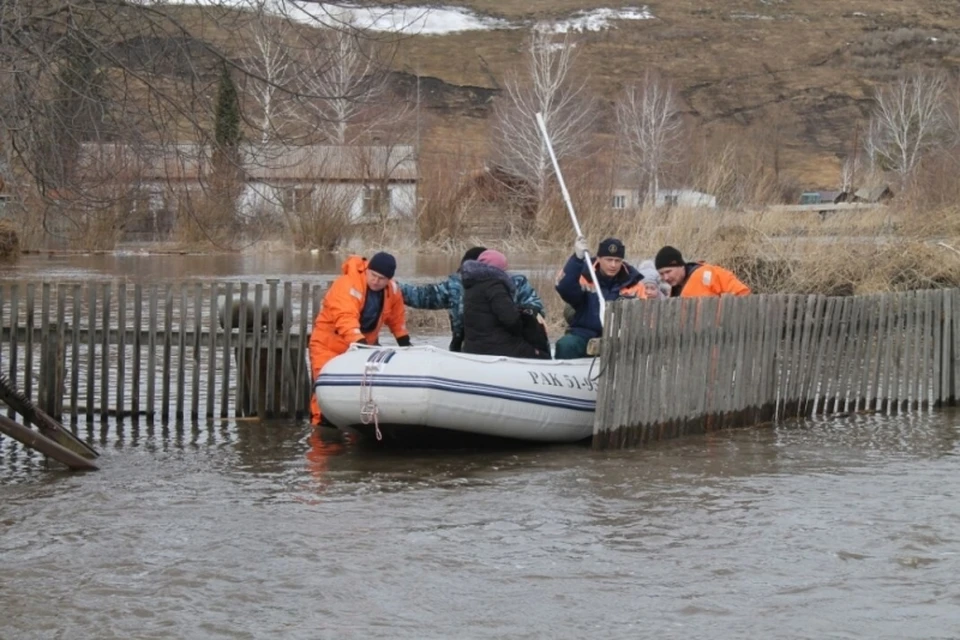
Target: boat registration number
x=565 y=380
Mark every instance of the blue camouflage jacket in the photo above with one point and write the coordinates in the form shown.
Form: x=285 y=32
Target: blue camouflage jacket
x=448 y=295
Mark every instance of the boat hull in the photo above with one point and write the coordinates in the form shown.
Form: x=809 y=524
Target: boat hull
x=423 y=388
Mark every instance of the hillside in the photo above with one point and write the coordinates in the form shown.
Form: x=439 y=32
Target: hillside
x=803 y=70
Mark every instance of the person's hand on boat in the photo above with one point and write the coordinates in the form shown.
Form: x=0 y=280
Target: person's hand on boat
x=580 y=247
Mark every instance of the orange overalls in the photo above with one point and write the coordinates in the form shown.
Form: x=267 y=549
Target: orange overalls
x=711 y=280
x=337 y=325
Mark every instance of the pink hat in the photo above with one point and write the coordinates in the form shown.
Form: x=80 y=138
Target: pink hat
x=493 y=258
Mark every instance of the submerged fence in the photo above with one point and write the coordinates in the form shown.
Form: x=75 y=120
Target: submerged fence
x=686 y=366
x=179 y=351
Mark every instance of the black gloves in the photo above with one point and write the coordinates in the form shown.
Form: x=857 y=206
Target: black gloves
x=457 y=343
x=403 y=341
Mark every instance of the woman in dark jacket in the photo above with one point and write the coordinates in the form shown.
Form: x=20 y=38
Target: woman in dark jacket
x=492 y=323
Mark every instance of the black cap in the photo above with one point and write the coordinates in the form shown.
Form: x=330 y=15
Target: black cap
x=383 y=263
x=668 y=257
x=611 y=248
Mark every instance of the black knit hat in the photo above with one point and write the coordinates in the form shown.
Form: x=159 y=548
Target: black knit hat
x=668 y=257
x=472 y=254
x=383 y=263
x=611 y=248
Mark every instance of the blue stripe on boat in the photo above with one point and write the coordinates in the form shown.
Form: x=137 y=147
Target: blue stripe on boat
x=457 y=386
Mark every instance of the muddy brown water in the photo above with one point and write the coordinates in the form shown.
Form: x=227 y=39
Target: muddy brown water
x=840 y=528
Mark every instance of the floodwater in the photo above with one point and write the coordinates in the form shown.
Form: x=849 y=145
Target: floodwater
x=848 y=528
x=840 y=528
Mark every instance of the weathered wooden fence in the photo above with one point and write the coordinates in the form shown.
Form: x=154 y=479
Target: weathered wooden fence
x=685 y=366
x=178 y=351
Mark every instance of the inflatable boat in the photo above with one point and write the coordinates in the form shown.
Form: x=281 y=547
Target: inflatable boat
x=399 y=393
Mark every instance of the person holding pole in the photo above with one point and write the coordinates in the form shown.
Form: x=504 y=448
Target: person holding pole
x=616 y=279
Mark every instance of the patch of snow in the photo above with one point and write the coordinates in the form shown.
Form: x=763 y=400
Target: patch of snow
x=859 y=14
x=934 y=39
x=595 y=20
x=397 y=19
x=421 y=20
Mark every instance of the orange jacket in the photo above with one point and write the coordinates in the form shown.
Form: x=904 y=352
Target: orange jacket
x=710 y=280
x=338 y=323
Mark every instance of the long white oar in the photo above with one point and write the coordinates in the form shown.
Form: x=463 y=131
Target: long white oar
x=573 y=215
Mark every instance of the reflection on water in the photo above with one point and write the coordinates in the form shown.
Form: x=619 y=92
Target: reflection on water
x=835 y=528
x=237 y=267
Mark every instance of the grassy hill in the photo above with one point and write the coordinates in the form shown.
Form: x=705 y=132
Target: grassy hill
x=803 y=70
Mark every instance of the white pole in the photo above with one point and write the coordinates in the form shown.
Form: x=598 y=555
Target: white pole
x=573 y=215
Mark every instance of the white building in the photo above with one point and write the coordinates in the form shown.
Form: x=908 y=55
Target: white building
x=372 y=183
x=687 y=198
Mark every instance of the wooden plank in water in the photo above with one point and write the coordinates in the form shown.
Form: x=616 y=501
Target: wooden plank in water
x=60 y=377
x=946 y=341
x=287 y=396
x=28 y=343
x=893 y=335
x=152 y=316
x=844 y=347
x=77 y=309
x=271 y=399
x=257 y=329
x=924 y=360
x=45 y=445
x=212 y=352
x=137 y=346
x=197 y=332
x=869 y=336
x=815 y=389
x=91 y=348
x=954 y=362
x=600 y=419
x=105 y=354
x=242 y=408
x=181 y=391
x=121 y=349
x=44 y=394
x=14 y=331
x=906 y=395
x=227 y=349
x=2 y=307
x=813 y=307
x=167 y=352
x=302 y=369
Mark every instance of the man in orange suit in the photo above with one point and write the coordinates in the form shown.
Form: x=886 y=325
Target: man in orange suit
x=354 y=309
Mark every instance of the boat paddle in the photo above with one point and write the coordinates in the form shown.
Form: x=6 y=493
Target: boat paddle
x=573 y=215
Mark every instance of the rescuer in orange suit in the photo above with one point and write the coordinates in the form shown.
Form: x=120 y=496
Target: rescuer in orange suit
x=354 y=309
x=696 y=279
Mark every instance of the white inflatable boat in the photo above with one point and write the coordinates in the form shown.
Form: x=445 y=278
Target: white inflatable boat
x=423 y=392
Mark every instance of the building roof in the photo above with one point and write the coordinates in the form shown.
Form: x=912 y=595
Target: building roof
x=266 y=163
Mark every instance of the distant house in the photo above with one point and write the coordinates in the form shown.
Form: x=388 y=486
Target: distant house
x=370 y=182
x=823 y=197
x=687 y=198
x=627 y=195
x=872 y=195
x=492 y=203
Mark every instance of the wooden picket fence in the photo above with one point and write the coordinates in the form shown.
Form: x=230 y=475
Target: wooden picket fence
x=159 y=352
x=684 y=366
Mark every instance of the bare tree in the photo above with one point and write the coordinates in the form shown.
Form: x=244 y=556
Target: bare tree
x=648 y=116
x=76 y=73
x=546 y=85
x=271 y=70
x=339 y=80
x=907 y=120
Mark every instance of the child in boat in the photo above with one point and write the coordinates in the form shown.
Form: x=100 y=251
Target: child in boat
x=449 y=295
x=493 y=323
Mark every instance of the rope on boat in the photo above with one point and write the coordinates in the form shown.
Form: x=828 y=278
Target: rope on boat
x=369 y=412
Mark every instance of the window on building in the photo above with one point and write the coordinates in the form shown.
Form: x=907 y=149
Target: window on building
x=376 y=201
x=671 y=200
x=296 y=198
x=619 y=202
